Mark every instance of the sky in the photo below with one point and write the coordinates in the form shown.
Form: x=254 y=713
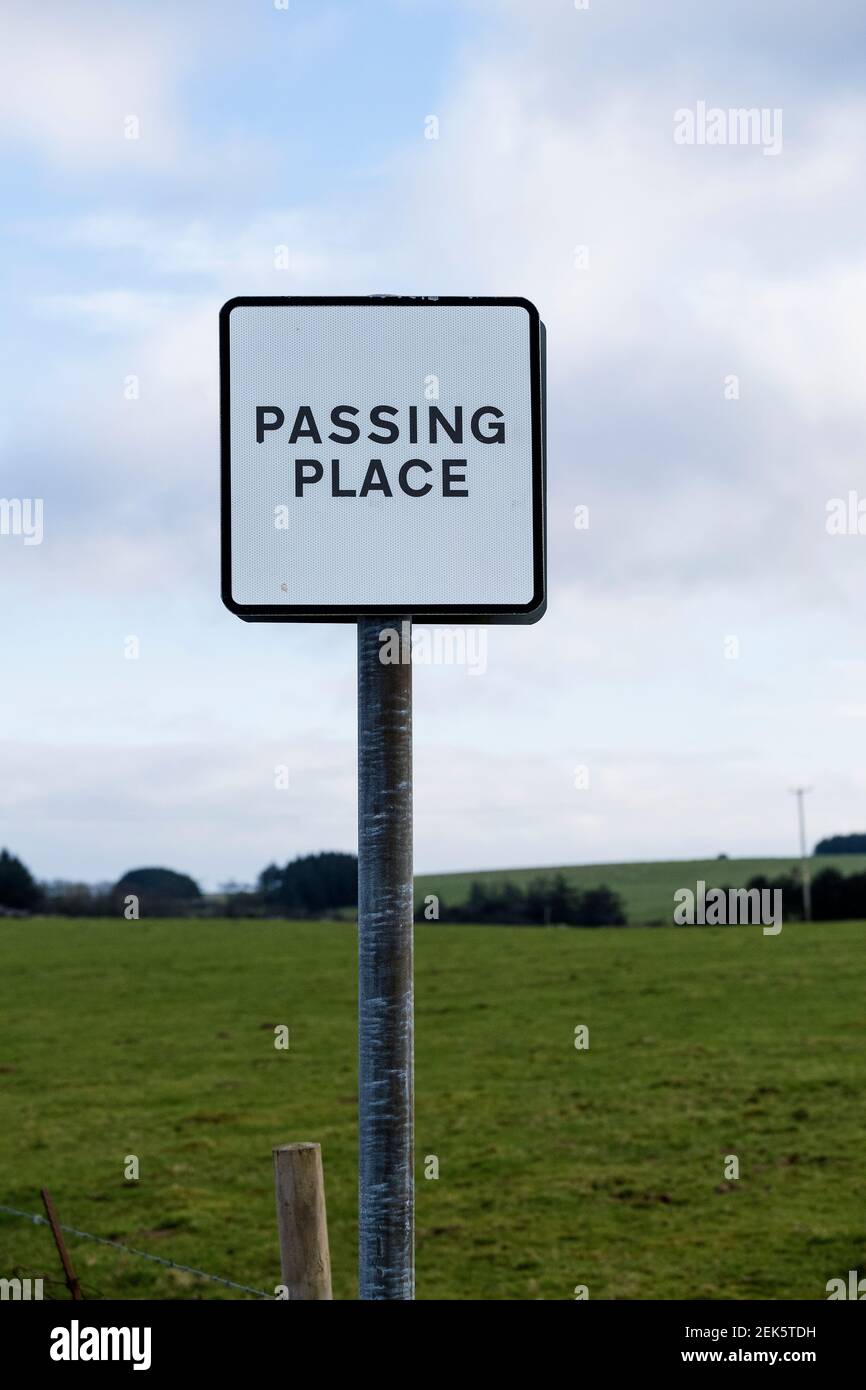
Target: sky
x=703 y=648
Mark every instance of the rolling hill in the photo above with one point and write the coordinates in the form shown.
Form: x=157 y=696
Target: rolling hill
x=647 y=889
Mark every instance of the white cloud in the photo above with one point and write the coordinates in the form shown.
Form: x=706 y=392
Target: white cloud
x=707 y=516
x=70 y=76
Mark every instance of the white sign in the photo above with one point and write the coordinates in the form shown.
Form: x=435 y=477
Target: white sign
x=382 y=455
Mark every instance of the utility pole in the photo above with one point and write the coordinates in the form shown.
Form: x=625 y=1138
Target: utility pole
x=800 y=792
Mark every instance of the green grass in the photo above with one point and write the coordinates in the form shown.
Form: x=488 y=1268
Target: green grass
x=557 y=1167
x=646 y=889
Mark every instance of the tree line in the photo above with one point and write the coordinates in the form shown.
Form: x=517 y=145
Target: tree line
x=165 y=893
x=836 y=897
x=311 y=885
x=308 y=886
x=842 y=844
x=543 y=902
x=319 y=885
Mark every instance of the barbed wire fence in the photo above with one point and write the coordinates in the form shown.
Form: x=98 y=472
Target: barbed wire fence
x=38 y=1220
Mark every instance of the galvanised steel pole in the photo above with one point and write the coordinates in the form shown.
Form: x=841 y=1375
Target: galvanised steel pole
x=386 y=1189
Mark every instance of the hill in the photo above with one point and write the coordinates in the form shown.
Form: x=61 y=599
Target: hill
x=646 y=889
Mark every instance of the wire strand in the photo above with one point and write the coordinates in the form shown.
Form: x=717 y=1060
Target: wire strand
x=142 y=1254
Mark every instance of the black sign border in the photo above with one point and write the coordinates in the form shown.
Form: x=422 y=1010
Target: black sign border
x=448 y=613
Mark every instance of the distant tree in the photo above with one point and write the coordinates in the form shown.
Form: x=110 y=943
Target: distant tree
x=564 y=902
x=602 y=907
x=536 y=902
x=511 y=900
x=791 y=889
x=19 y=890
x=270 y=880
x=545 y=902
x=77 y=899
x=842 y=844
x=160 y=892
x=830 y=896
x=478 y=904
x=311 y=885
x=838 y=897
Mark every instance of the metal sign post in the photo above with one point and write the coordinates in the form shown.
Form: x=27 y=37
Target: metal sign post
x=386 y=1189
x=383 y=462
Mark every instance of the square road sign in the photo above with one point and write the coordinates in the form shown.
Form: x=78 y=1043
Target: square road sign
x=383 y=455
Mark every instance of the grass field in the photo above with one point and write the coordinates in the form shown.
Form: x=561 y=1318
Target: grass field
x=557 y=1167
x=646 y=889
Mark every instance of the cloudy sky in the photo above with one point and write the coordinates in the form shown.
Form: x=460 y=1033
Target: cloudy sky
x=704 y=648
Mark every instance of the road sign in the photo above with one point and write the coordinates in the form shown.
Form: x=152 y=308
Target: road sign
x=383 y=460
x=382 y=455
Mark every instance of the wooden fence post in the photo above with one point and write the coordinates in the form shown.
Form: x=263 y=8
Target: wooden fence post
x=71 y=1280
x=305 y=1259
